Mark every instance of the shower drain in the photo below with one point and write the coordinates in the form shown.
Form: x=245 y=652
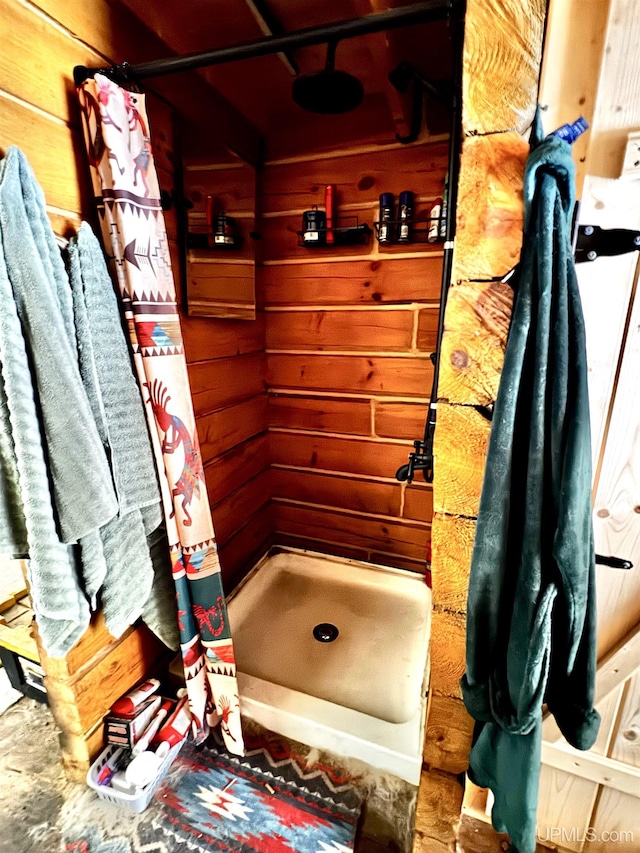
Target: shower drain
x=325 y=632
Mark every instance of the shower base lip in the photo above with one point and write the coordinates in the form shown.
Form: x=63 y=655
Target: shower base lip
x=362 y=696
x=391 y=747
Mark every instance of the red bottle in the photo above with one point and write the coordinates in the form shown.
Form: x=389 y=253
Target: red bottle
x=174 y=729
x=328 y=206
x=126 y=706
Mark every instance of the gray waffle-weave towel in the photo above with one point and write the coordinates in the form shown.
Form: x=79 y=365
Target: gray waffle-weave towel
x=59 y=481
x=121 y=568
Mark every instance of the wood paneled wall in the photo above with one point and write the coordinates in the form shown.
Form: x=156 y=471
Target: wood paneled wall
x=227 y=372
x=42 y=42
x=571 y=794
x=225 y=360
x=348 y=335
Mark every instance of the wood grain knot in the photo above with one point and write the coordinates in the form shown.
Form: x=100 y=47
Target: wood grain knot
x=603 y=513
x=366 y=183
x=459 y=359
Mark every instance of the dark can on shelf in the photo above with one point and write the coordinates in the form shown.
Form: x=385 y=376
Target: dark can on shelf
x=405 y=215
x=385 y=214
x=314 y=225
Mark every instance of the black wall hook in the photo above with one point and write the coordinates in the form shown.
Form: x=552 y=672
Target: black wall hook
x=613 y=562
x=594 y=242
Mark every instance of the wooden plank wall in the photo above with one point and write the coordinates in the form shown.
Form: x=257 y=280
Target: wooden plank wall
x=227 y=373
x=226 y=363
x=613 y=329
x=38 y=111
x=221 y=283
x=348 y=334
x=502 y=52
x=571 y=796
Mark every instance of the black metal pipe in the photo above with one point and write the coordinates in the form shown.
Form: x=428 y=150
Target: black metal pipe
x=405 y=16
x=423 y=459
x=453 y=171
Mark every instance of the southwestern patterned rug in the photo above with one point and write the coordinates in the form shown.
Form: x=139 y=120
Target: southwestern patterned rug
x=270 y=801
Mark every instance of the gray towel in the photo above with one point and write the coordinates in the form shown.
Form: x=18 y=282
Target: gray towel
x=72 y=426
x=118 y=563
x=61 y=609
x=105 y=365
x=160 y=613
x=38 y=289
x=13 y=529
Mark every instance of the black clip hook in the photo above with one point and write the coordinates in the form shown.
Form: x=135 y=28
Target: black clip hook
x=422 y=458
x=419 y=460
x=613 y=562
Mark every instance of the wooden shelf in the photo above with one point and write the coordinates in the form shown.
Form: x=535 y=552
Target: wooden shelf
x=353 y=235
x=419 y=231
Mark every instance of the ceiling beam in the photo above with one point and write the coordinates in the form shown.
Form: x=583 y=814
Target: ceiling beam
x=271 y=26
x=385 y=57
x=419 y=13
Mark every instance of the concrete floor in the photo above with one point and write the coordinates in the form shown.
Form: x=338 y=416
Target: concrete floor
x=37 y=803
x=32 y=785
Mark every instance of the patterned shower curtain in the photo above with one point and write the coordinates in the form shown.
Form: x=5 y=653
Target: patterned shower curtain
x=125 y=182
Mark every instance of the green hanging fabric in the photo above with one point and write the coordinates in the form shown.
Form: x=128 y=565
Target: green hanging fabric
x=531 y=635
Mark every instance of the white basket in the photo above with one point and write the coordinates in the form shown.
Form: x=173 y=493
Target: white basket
x=140 y=798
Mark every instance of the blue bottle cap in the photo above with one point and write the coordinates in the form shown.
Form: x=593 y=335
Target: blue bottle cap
x=386 y=200
x=570 y=132
x=406 y=198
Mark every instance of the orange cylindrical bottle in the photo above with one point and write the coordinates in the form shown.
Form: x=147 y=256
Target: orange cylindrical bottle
x=328 y=206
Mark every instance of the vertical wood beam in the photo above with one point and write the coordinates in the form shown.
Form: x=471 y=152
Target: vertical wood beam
x=502 y=51
x=573 y=52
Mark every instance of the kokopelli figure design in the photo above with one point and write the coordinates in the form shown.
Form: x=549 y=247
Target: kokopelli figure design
x=176 y=434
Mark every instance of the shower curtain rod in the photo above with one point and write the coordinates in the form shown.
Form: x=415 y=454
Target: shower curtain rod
x=419 y=13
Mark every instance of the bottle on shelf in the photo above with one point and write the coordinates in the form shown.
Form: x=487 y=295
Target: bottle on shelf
x=224 y=231
x=328 y=207
x=385 y=214
x=442 y=226
x=433 y=231
x=405 y=215
x=323 y=228
x=313 y=227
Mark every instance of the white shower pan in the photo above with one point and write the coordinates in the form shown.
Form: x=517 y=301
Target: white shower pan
x=333 y=653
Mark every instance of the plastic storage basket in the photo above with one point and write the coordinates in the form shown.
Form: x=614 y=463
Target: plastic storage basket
x=141 y=797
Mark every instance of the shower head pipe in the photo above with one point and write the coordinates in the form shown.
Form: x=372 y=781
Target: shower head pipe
x=404 y=16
